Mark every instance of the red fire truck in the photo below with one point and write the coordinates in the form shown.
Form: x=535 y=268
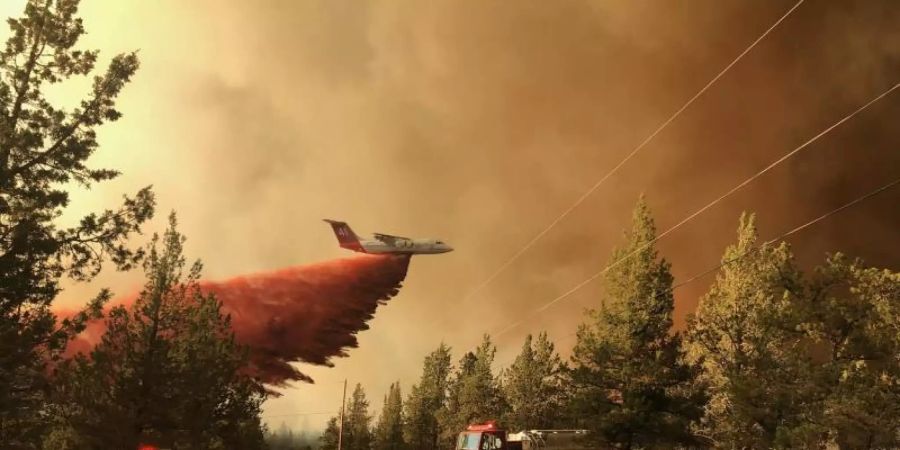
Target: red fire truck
x=483 y=437
x=490 y=436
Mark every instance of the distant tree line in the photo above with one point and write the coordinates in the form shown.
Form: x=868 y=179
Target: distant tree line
x=286 y=439
x=772 y=358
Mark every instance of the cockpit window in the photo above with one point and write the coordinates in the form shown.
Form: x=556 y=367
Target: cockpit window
x=439 y=242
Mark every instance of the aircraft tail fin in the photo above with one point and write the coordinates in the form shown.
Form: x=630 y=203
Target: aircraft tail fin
x=345 y=236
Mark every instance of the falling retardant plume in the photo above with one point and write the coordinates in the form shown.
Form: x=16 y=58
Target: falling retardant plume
x=310 y=313
x=307 y=313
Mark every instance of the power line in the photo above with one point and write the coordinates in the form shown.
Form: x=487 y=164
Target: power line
x=316 y=413
x=628 y=157
x=703 y=209
x=793 y=231
x=722 y=197
x=780 y=237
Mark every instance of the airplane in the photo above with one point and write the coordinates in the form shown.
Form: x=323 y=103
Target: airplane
x=386 y=243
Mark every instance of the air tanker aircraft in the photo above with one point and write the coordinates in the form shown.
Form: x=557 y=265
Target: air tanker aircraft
x=386 y=243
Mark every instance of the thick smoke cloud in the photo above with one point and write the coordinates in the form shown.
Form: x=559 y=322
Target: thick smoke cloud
x=310 y=313
x=486 y=119
x=478 y=122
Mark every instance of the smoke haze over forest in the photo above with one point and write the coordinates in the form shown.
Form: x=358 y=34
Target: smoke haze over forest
x=479 y=122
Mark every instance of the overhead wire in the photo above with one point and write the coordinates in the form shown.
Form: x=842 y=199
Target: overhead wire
x=793 y=231
x=628 y=157
x=703 y=209
x=314 y=413
x=780 y=237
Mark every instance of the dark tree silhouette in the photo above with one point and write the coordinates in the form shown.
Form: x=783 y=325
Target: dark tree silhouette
x=167 y=372
x=43 y=147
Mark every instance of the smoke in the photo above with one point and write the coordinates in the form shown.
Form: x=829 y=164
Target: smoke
x=310 y=313
x=479 y=122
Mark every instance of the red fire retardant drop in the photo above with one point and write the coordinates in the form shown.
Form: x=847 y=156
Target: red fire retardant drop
x=308 y=313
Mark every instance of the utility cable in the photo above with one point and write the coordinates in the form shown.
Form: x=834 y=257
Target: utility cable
x=628 y=157
x=782 y=236
x=709 y=205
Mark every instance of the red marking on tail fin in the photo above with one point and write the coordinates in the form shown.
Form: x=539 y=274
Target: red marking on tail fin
x=345 y=236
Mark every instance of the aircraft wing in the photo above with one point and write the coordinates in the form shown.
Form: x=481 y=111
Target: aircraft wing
x=389 y=239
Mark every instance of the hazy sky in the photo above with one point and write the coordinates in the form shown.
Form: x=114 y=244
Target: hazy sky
x=479 y=122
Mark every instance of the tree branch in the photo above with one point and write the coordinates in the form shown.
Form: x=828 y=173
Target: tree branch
x=42 y=156
x=22 y=91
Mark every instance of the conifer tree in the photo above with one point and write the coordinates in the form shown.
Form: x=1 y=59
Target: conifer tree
x=426 y=399
x=283 y=439
x=533 y=387
x=167 y=371
x=474 y=393
x=452 y=417
x=357 y=433
x=755 y=362
x=42 y=149
x=389 y=429
x=329 y=438
x=631 y=385
x=853 y=311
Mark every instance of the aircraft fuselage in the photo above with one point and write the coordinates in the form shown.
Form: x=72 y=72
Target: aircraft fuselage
x=406 y=247
x=386 y=243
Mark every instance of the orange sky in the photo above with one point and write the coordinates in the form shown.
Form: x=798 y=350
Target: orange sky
x=478 y=122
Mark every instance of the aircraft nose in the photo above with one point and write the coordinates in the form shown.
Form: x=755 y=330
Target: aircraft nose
x=448 y=248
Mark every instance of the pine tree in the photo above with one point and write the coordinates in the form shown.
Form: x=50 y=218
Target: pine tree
x=283 y=439
x=286 y=439
x=452 y=417
x=533 y=387
x=755 y=362
x=42 y=148
x=853 y=311
x=389 y=429
x=329 y=438
x=474 y=393
x=426 y=399
x=357 y=434
x=632 y=387
x=167 y=371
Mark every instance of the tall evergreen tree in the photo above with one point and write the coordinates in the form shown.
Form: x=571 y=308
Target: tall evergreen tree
x=632 y=387
x=426 y=399
x=755 y=362
x=389 y=429
x=533 y=387
x=452 y=417
x=853 y=311
x=329 y=438
x=42 y=148
x=474 y=393
x=166 y=372
x=283 y=439
x=357 y=433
